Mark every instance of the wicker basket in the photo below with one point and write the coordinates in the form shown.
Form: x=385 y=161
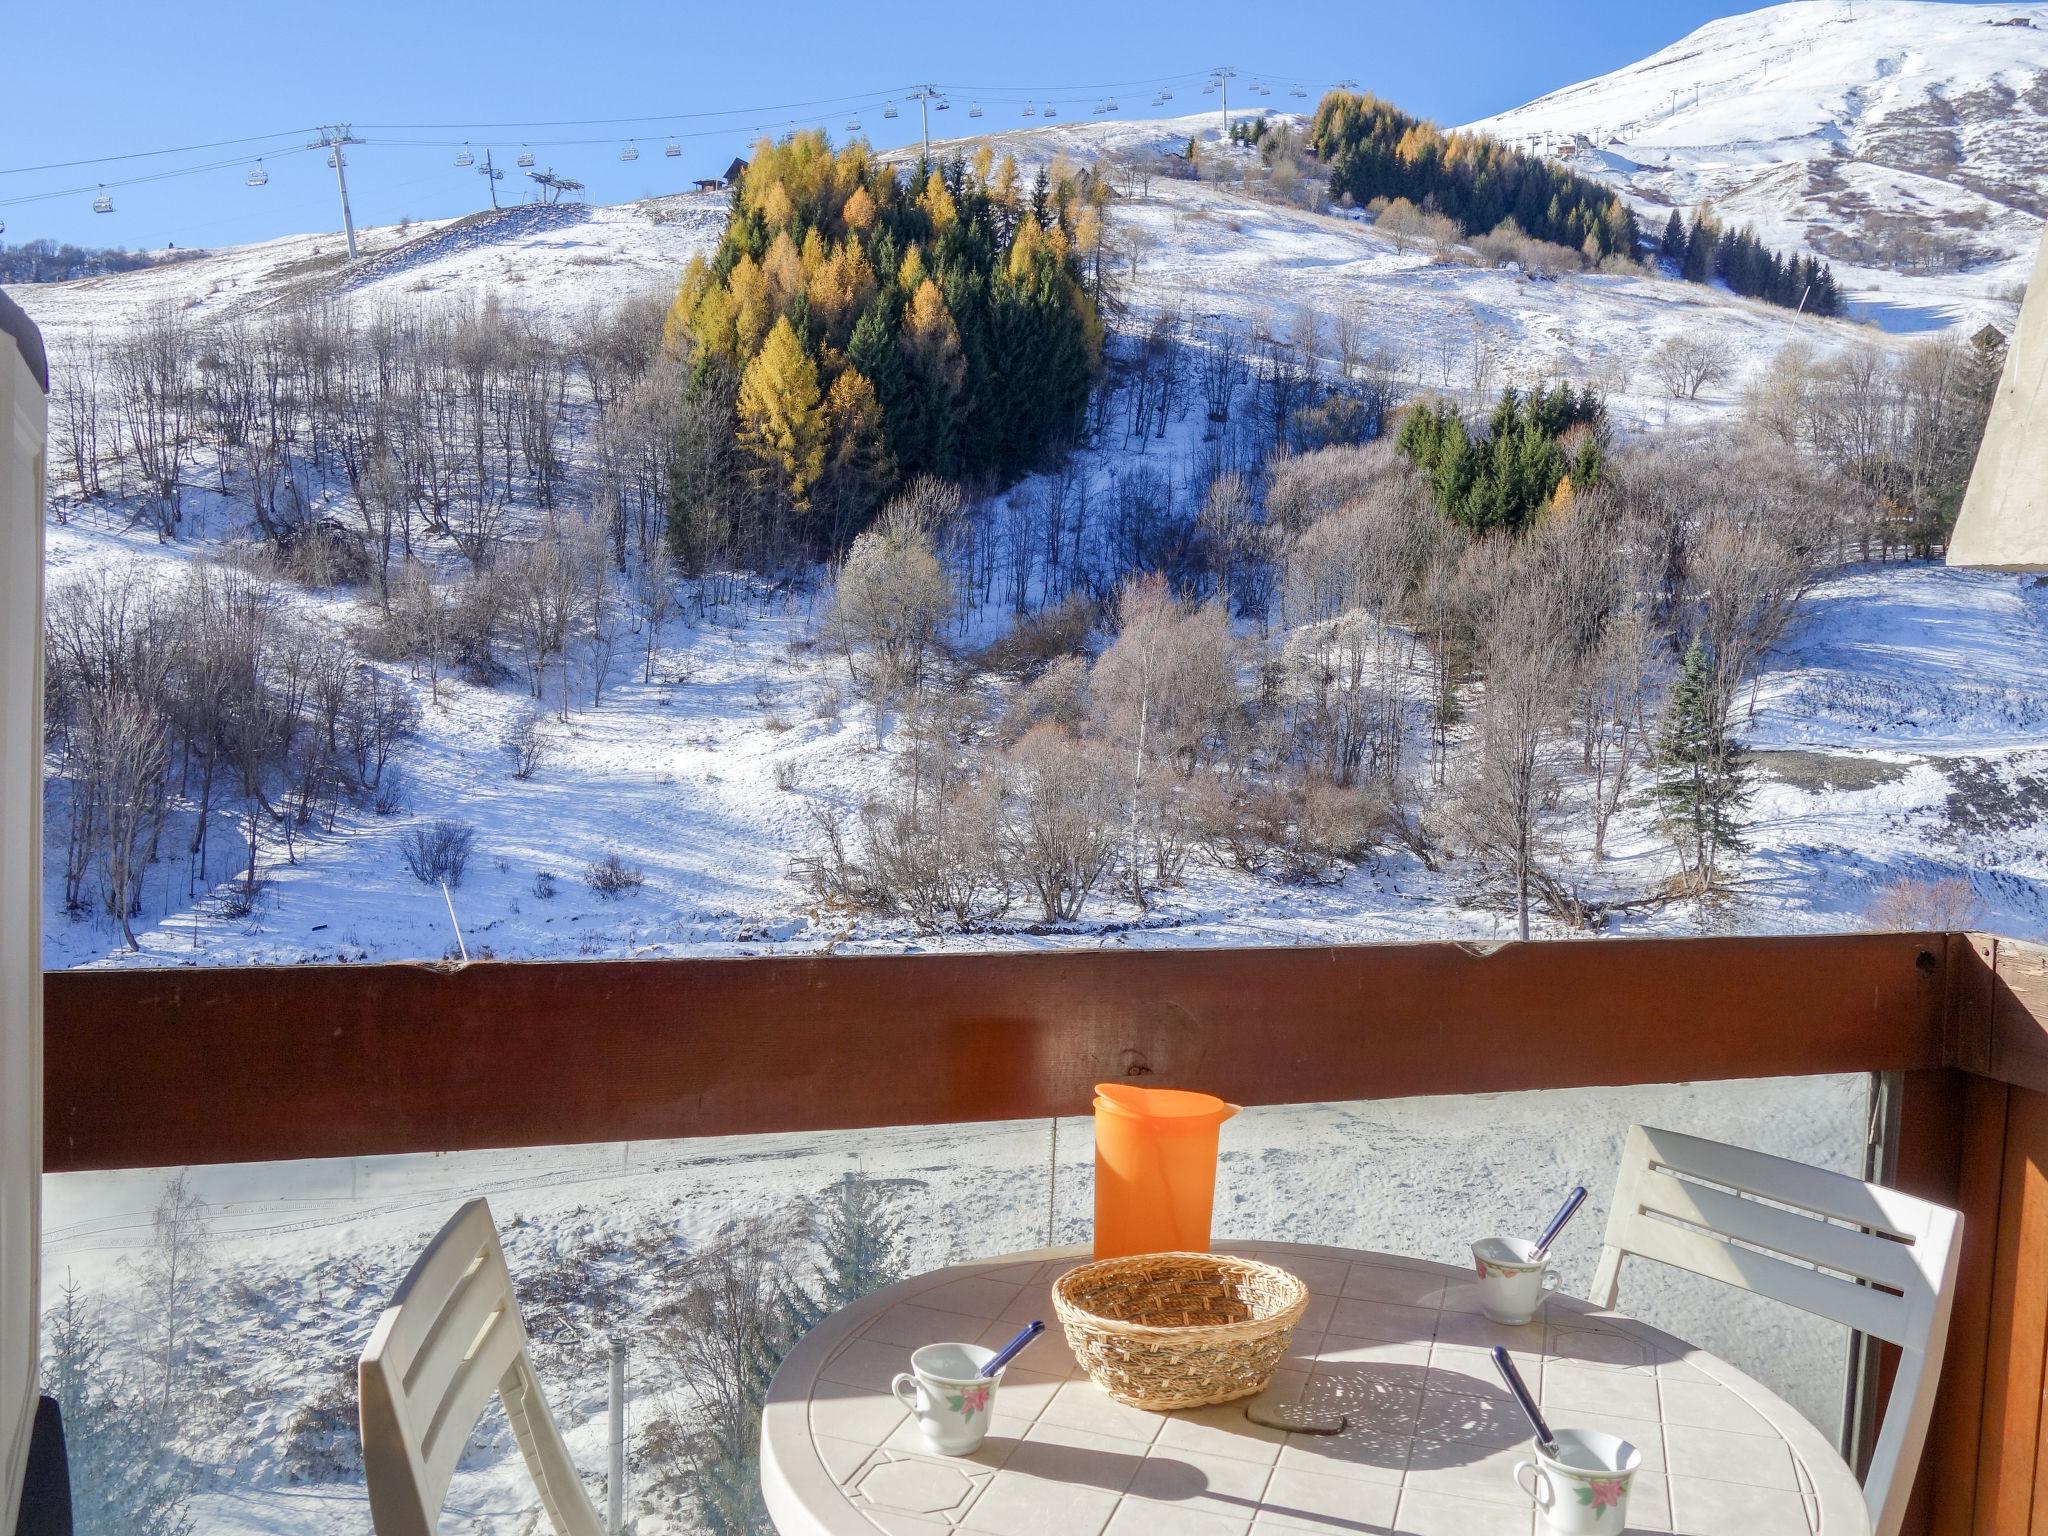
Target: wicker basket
x=1178 y=1330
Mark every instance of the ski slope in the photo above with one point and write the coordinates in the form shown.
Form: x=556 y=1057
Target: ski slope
x=1829 y=122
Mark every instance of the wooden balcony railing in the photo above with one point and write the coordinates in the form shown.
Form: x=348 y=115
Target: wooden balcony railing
x=162 y=1068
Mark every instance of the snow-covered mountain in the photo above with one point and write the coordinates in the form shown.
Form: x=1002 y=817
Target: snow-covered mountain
x=1905 y=140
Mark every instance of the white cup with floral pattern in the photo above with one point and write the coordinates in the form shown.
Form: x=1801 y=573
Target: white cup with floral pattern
x=1583 y=1489
x=1512 y=1279
x=949 y=1397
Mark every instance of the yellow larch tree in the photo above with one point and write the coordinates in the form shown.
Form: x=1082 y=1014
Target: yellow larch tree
x=782 y=419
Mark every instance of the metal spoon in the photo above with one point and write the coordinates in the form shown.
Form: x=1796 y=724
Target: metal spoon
x=1544 y=1438
x=1011 y=1350
x=1565 y=1213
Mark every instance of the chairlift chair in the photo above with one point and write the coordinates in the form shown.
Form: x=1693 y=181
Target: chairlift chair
x=463 y=157
x=1110 y=105
x=1209 y=89
x=1166 y=95
x=974 y=109
x=630 y=152
x=1051 y=110
x=1295 y=90
x=258 y=177
x=672 y=150
x=525 y=159
x=104 y=203
x=889 y=109
x=1030 y=110
x=942 y=105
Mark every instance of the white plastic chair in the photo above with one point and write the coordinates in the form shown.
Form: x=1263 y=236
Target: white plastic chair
x=450 y=1338
x=1890 y=1273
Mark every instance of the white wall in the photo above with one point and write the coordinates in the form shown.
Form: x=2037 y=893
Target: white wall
x=22 y=438
x=2004 y=520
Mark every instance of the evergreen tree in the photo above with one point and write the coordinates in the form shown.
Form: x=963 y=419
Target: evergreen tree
x=1672 y=246
x=127 y=1479
x=1697 y=265
x=1702 y=774
x=859 y=1232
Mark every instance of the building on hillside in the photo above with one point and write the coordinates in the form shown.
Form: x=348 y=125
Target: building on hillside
x=731 y=178
x=2003 y=524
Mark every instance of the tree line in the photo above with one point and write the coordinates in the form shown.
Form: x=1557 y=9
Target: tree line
x=1708 y=249
x=59 y=261
x=1373 y=150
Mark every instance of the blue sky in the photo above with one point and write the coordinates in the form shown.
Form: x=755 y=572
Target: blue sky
x=119 y=76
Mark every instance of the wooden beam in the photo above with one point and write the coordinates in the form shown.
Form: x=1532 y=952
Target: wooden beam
x=156 y=1068
x=2009 y=1439
x=1951 y=1149
x=2017 y=1022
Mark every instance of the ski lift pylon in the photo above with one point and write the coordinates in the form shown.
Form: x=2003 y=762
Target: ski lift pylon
x=104 y=203
x=463 y=157
x=259 y=177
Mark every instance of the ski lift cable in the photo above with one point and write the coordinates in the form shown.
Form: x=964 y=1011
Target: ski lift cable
x=144 y=154
x=1043 y=97
x=238 y=163
x=834 y=103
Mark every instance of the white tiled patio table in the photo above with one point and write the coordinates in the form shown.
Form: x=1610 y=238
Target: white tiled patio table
x=1396 y=1345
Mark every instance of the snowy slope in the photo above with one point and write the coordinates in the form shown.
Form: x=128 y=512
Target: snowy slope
x=556 y=261
x=1883 y=134
x=1212 y=255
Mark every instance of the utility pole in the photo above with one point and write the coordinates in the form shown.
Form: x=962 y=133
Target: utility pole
x=1224 y=75
x=924 y=96
x=493 y=175
x=332 y=140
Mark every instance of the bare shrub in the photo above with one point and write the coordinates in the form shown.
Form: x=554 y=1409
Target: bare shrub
x=1910 y=905
x=1506 y=243
x=893 y=596
x=1057 y=696
x=1307 y=486
x=438 y=851
x=1060 y=830
x=612 y=877
x=526 y=741
x=786 y=773
x=1039 y=639
x=544 y=885
x=1326 y=828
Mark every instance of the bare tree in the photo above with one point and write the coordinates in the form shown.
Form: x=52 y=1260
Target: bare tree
x=1688 y=361
x=893 y=597
x=154 y=392
x=174 y=1272
x=1520 y=720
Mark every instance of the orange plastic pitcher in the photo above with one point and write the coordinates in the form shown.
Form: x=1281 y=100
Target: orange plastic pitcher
x=1155 y=1169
